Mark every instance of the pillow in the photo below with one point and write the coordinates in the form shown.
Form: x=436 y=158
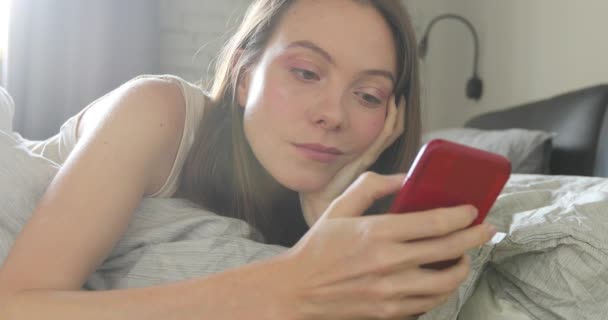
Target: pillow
x=168 y=239
x=484 y=304
x=23 y=180
x=552 y=262
x=7 y=110
x=528 y=150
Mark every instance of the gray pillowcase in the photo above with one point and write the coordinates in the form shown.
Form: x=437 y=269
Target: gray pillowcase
x=528 y=150
x=168 y=239
x=23 y=180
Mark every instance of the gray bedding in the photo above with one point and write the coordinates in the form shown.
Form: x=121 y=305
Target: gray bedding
x=550 y=265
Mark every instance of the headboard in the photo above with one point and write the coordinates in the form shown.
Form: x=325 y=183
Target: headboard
x=579 y=119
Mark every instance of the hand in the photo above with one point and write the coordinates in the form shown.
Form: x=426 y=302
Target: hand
x=353 y=267
x=315 y=203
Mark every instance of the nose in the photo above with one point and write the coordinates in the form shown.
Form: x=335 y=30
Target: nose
x=329 y=114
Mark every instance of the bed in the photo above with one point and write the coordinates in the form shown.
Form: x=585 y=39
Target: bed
x=562 y=135
x=547 y=262
x=579 y=121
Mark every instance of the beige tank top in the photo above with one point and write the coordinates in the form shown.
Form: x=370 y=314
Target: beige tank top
x=58 y=147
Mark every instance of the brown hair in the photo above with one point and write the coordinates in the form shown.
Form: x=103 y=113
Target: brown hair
x=221 y=173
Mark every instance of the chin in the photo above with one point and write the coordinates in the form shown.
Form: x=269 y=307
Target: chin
x=303 y=183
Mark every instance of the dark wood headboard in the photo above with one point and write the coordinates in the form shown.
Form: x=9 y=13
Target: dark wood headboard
x=580 y=120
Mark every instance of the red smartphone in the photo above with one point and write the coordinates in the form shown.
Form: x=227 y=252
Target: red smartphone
x=448 y=174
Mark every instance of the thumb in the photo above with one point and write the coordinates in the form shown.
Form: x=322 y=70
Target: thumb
x=362 y=193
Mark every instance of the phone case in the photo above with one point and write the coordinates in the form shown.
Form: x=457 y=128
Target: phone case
x=447 y=174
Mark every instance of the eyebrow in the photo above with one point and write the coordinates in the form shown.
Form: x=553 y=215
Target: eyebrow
x=311 y=46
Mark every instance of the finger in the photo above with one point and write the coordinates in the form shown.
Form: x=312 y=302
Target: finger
x=414 y=281
x=389 y=123
x=399 y=124
x=377 y=147
x=362 y=193
x=395 y=115
x=401 y=117
x=350 y=171
x=410 y=306
x=442 y=281
x=451 y=246
x=389 y=127
x=424 y=224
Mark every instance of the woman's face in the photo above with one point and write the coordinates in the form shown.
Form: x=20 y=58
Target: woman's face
x=318 y=96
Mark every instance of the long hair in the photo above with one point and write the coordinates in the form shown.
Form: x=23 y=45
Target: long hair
x=221 y=173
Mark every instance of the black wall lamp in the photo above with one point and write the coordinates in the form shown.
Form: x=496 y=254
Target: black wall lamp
x=475 y=84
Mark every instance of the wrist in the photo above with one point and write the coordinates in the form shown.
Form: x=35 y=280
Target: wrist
x=262 y=289
x=280 y=278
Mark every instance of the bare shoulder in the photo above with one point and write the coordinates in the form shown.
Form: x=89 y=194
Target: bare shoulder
x=121 y=156
x=143 y=98
x=151 y=108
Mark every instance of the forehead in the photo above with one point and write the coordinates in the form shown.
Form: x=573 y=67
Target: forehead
x=355 y=34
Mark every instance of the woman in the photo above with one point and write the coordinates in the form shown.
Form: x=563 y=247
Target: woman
x=308 y=95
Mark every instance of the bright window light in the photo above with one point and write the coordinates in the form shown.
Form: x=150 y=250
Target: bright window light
x=4 y=9
x=4 y=16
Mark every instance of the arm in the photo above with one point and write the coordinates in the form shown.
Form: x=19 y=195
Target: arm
x=89 y=204
x=254 y=289
x=346 y=267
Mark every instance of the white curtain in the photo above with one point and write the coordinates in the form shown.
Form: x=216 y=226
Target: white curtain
x=63 y=54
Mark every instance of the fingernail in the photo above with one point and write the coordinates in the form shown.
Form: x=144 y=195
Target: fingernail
x=491 y=230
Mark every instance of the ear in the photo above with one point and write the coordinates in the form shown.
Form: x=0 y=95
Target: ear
x=242 y=88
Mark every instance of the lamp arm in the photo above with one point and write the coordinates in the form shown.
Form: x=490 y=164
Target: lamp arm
x=468 y=24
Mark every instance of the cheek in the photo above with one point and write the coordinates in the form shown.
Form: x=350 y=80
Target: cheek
x=267 y=100
x=278 y=95
x=283 y=100
x=367 y=128
x=278 y=110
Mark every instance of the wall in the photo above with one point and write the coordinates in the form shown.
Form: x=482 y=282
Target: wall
x=192 y=32
x=530 y=50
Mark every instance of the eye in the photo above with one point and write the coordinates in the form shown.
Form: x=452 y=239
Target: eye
x=305 y=75
x=369 y=99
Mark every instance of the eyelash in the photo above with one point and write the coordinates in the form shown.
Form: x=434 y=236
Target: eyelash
x=375 y=103
x=299 y=72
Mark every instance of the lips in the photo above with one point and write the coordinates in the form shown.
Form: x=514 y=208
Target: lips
x=318 y=152
x=320 y=148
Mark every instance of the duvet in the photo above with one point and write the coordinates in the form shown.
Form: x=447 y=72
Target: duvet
x=549 y=260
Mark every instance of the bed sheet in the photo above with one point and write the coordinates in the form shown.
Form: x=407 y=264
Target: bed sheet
x=551 y=263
